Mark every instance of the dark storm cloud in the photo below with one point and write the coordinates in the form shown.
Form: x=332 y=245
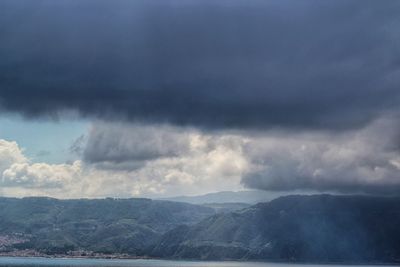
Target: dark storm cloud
x=121 y=143
x=316 y=64
x=360 y=161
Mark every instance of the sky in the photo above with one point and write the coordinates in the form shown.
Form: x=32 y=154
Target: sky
x=184 y=97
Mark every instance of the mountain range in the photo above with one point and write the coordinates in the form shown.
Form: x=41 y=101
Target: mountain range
x=316 y=228
x=107 y=226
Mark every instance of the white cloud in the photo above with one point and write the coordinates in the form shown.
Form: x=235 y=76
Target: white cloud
x=214 y=163
x=196 y=162
x=10 y=153
x=41 y=175
x=207 y=163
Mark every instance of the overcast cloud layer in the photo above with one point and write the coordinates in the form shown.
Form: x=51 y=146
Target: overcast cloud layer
x=190 y=97
x=310 y=64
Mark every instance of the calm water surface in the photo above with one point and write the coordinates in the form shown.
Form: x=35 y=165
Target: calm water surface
x=32 y=262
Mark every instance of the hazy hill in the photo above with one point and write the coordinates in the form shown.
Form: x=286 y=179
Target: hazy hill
x=320 y=228
x=226 y=207
x=250 y=197
x=104 y=225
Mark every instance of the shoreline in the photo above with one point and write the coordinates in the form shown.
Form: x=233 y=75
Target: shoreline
x=130 y=257
x=35 y=254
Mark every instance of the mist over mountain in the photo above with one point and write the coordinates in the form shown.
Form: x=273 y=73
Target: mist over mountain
x=319 y=228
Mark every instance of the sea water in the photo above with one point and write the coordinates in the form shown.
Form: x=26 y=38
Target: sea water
x=68 y=262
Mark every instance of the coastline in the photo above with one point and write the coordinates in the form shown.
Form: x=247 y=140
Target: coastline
x=116 y=256
x=73 y=255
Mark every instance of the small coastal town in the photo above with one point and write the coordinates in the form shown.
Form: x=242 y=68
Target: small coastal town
x=7 y=241
x=9 y=248
x=70 y=254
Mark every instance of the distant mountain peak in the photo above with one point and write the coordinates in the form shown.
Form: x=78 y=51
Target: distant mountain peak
x=245 y=196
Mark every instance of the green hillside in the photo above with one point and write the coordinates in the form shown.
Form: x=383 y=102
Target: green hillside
x=104 y=225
